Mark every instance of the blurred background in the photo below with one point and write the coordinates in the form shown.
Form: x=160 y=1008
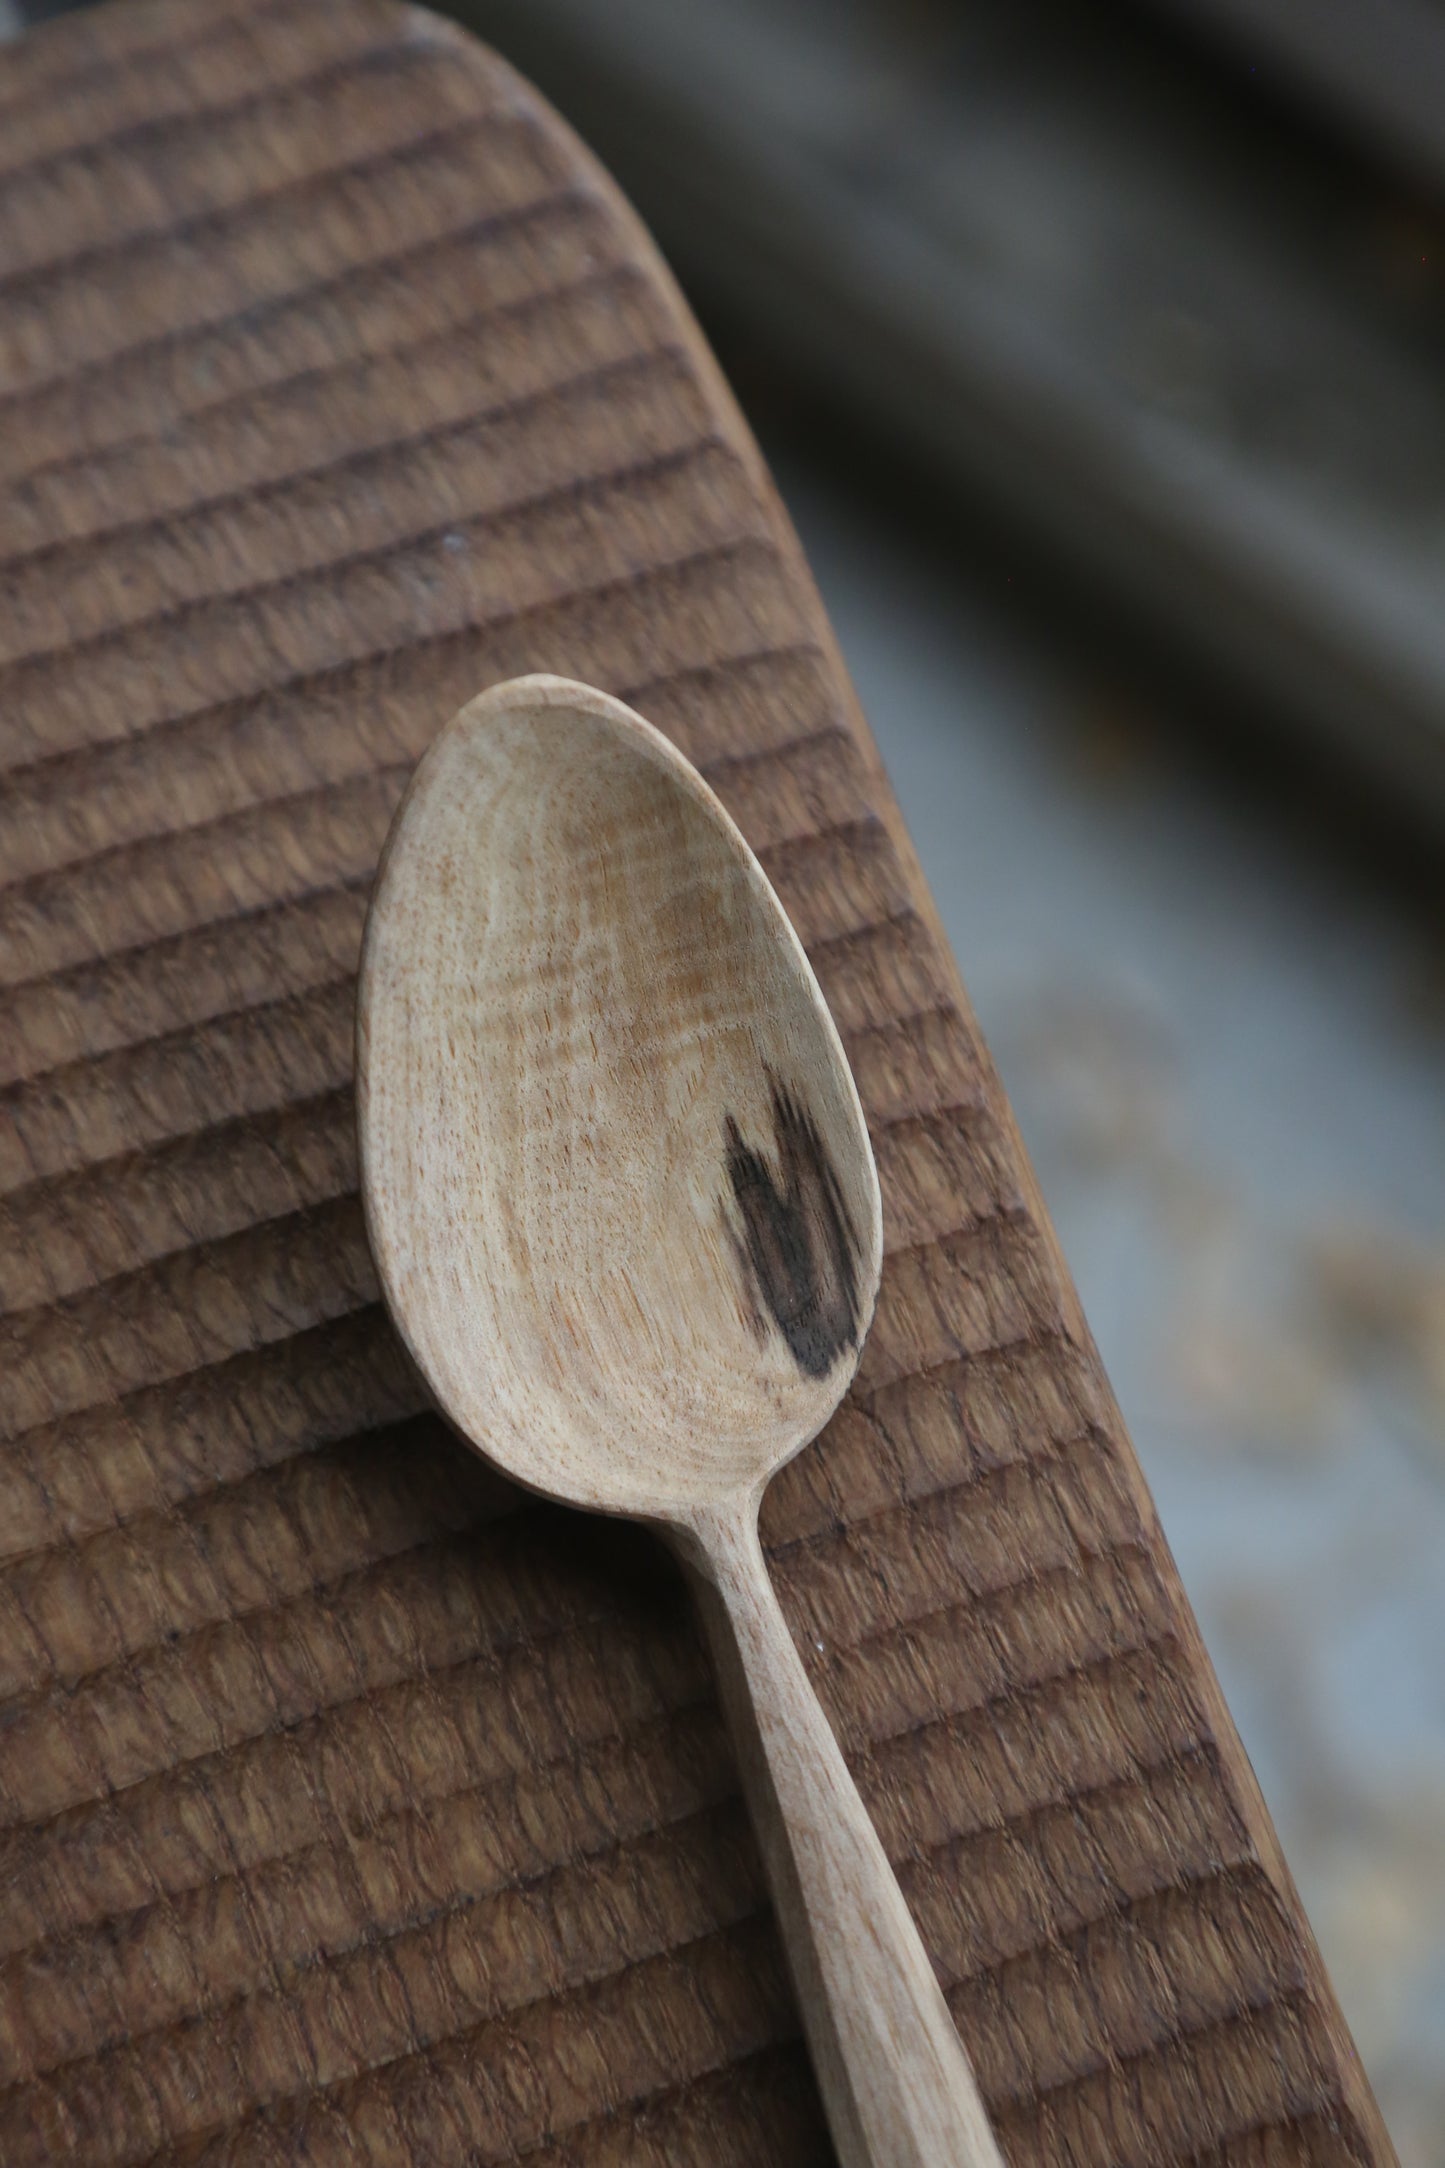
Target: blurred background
x=1098 y=356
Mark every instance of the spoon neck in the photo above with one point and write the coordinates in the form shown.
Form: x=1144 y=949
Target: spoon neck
x=720 y=1541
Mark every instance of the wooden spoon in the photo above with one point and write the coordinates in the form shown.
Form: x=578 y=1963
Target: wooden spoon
x=626 y=1216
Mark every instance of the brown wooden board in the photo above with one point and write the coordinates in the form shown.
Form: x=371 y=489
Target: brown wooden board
x=355 y=1807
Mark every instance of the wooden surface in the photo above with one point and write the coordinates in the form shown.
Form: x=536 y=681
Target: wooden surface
x=356 y=1807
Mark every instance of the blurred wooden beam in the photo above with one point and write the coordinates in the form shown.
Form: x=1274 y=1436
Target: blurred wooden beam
x=1197 y=359
x=1378 y=65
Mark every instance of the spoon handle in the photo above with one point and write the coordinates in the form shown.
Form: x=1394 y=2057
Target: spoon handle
x=896 y=2082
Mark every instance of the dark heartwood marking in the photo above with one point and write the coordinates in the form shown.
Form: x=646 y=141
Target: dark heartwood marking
x=797 y=1247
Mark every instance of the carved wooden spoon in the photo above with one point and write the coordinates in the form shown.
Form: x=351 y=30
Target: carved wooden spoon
x=625 y=1213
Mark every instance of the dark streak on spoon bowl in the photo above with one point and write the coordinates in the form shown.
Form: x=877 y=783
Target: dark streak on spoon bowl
x=797 y=1248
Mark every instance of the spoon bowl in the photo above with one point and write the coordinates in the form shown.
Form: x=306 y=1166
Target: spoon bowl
x=625 y=1214
x=593 y=1050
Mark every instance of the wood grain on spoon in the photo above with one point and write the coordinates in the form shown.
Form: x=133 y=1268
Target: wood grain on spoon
x=625 y=1212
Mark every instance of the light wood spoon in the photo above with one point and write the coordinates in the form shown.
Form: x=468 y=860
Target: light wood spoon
x=626 y=1217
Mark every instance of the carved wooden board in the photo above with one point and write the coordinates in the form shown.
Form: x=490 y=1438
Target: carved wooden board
x=355 y=1806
